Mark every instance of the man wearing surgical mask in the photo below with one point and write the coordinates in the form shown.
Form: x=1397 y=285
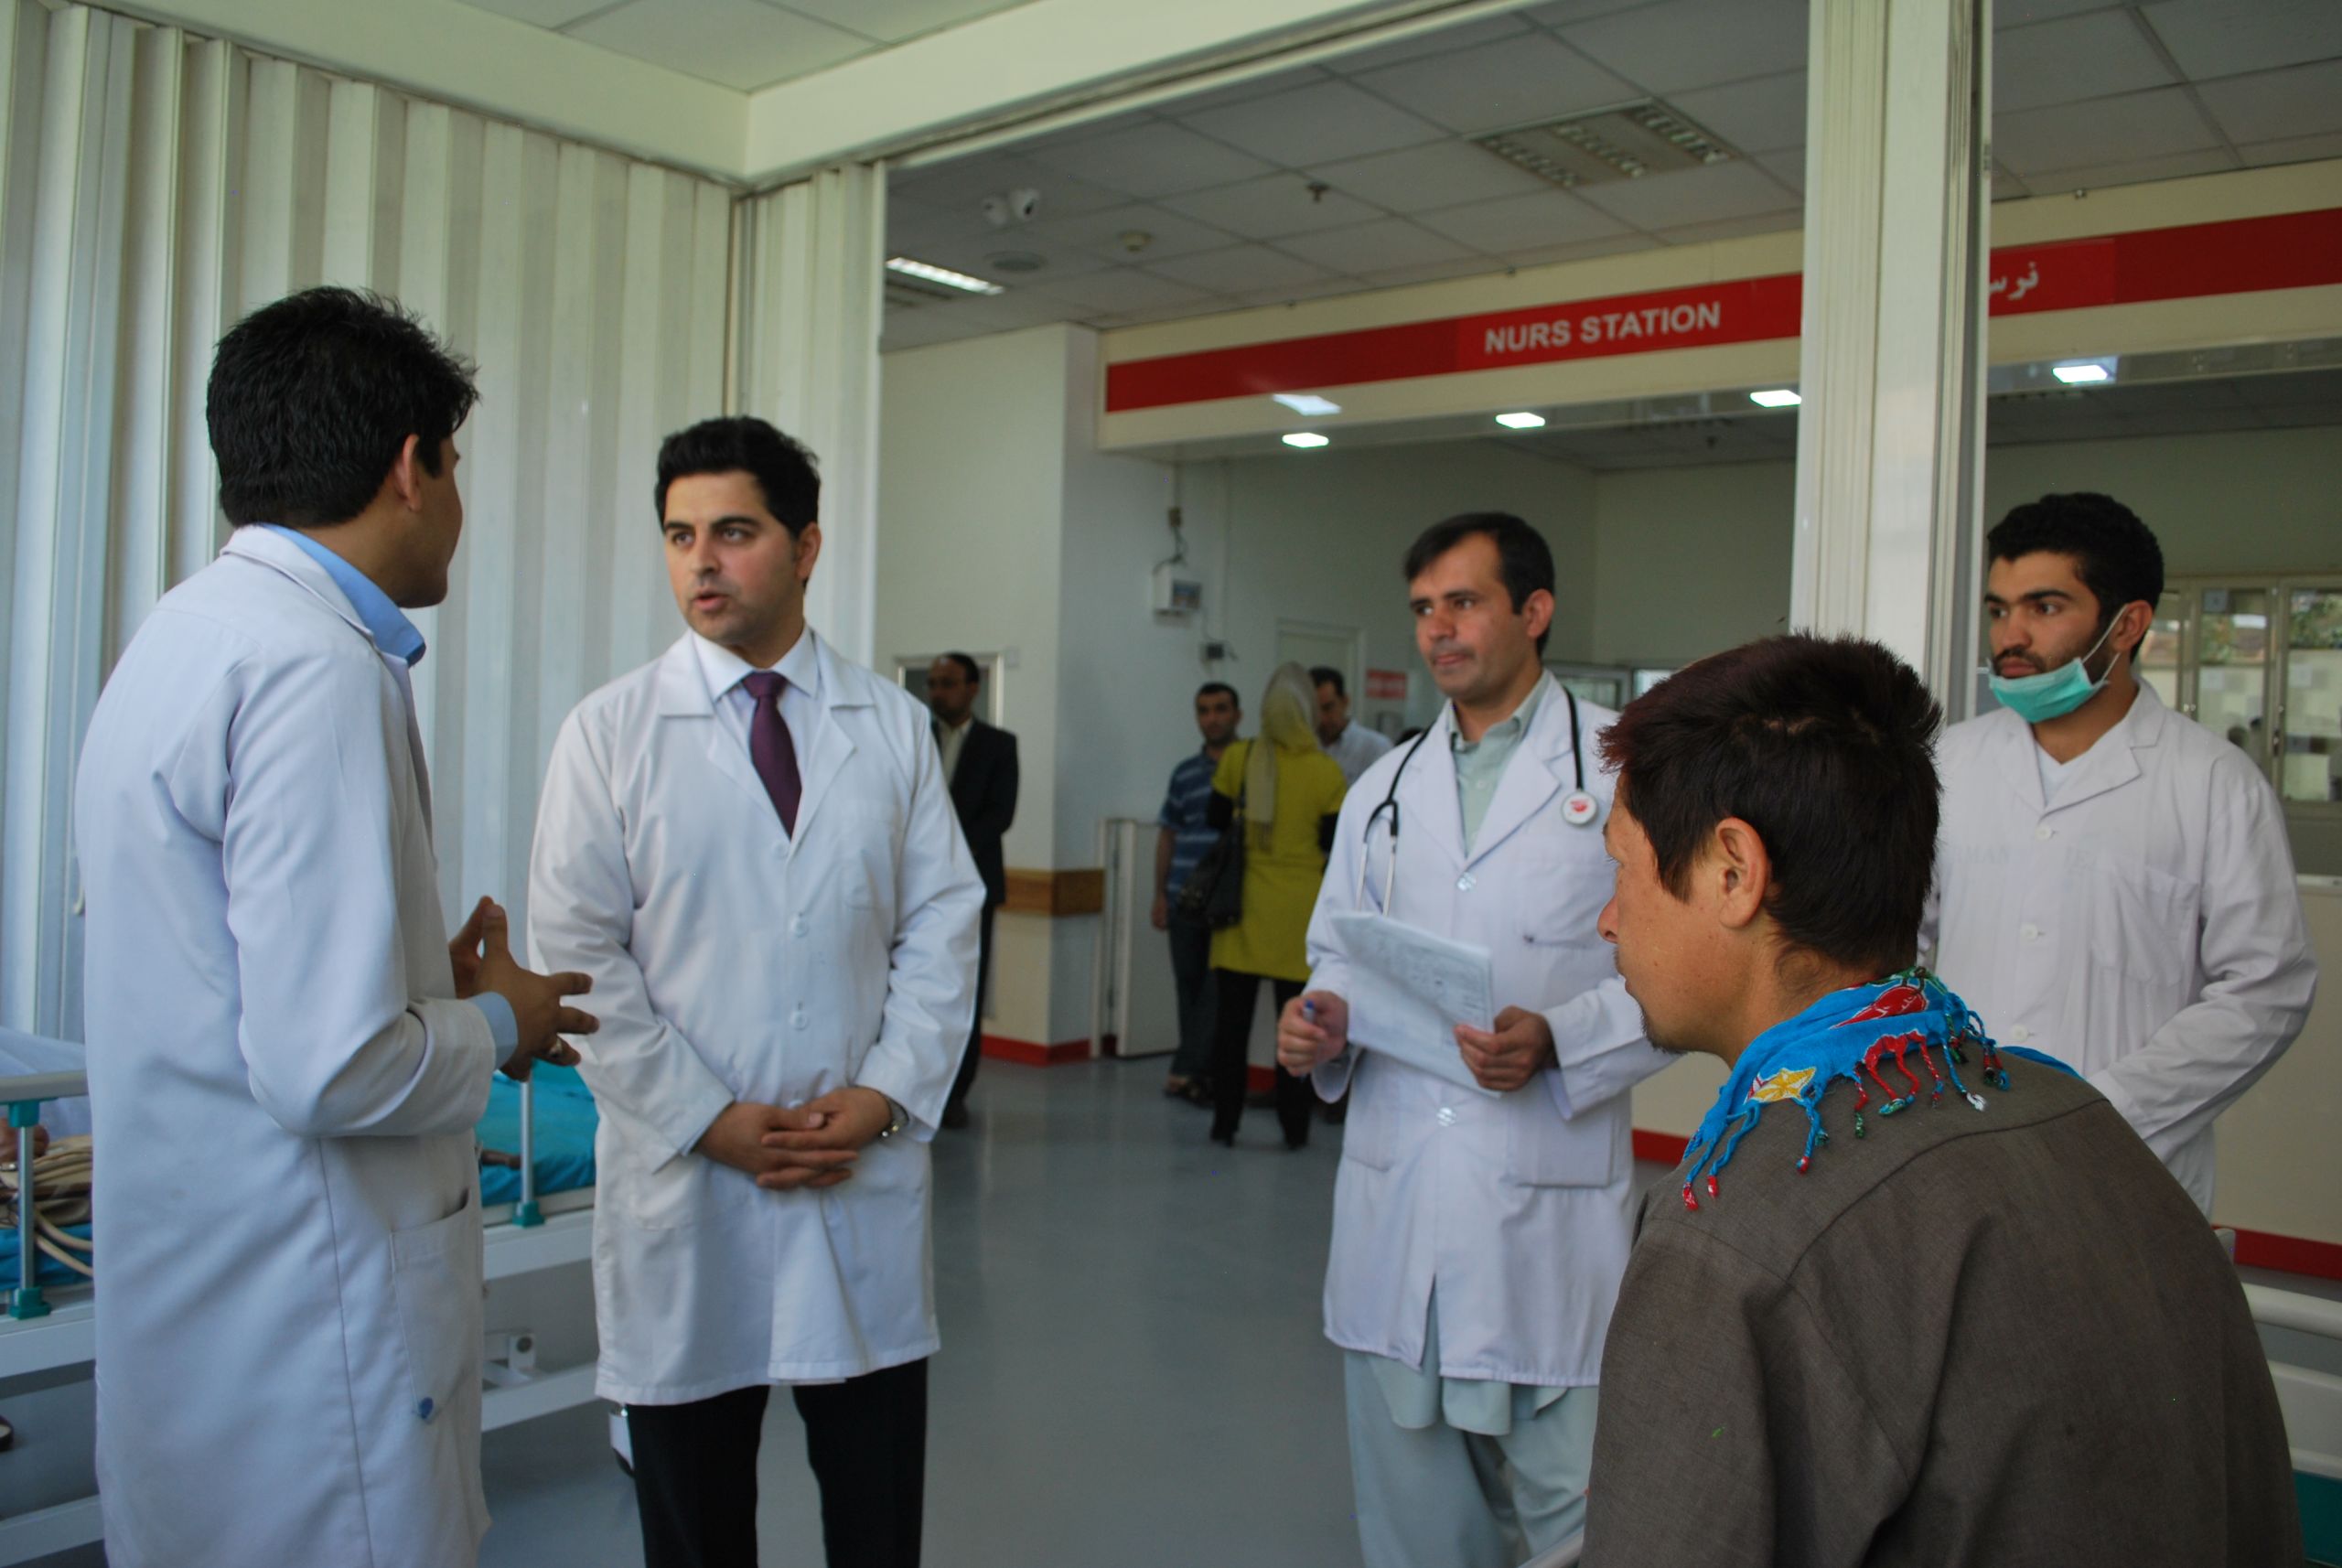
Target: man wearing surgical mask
x=2112 y=882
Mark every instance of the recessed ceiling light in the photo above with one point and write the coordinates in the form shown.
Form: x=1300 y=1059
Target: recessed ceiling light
x=1308 y=403
x=2081 y=374
x=1304 y=439
x=1777 y=397
x=930 y=272
x=1521 y=421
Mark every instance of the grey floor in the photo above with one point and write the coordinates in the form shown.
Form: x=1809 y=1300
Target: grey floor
x=1133 y=1373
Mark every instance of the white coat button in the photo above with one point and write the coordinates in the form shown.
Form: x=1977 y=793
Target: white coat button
x=1448 y=1116
x=2029 y=931
x=799 y=1019
x=1465 y=883
x=797 y=927
x=2020 y=1034
x=423 y=1411
x=2044 y=833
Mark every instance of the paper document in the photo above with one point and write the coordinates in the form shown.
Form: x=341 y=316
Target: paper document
x=1409 y=989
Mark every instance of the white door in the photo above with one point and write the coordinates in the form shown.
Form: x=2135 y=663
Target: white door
x=1140 y=1007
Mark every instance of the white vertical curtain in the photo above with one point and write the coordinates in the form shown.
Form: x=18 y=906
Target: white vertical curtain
x=811 y=295
x=155 y=187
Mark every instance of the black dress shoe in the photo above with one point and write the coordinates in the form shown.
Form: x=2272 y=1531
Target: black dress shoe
x=955 y=1115
x=1225 y=1140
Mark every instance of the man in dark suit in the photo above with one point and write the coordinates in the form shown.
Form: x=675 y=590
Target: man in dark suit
x=979 y=761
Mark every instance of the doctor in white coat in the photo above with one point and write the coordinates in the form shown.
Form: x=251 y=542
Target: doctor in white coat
x=2113 y=883
x=1479 y=1238
x=283 y=1078
x=749 y=845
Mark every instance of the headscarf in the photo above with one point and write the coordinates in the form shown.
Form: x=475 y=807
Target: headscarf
x=1286 y=726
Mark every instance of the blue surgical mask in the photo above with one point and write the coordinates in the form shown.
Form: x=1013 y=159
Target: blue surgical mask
x=2054 y=693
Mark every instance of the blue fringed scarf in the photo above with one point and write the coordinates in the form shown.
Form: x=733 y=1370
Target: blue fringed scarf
x=1847 y=1034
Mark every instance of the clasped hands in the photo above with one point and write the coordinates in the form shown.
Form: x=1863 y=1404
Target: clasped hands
x=785 y=1147
x=1313 y=1028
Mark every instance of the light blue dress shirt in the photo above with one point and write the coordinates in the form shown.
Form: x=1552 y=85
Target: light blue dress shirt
x=396 y=636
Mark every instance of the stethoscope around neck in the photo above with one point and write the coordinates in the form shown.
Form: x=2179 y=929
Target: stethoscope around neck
x=1578 y=809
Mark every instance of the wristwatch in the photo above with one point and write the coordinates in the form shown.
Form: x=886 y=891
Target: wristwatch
x=897 y=1118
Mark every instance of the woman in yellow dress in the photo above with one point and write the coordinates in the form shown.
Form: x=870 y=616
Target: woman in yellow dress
x=1286 y=791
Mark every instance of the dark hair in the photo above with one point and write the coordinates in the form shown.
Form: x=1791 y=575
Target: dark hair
x=312 y=398
x=1523 y=560
x=968 y=667
x=1327 y=675
x=2115 y=553
x=1824 y=746
x=1219 y=689
x=744 y=443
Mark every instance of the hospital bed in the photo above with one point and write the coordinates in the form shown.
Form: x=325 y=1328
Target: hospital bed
x=539 y=1219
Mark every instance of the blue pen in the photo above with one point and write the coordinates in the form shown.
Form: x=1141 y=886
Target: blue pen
x=1308 y=1010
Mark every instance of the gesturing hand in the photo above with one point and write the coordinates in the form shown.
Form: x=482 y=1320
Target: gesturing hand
x=536 y=999
x=463 y=948
x=1516 y=1050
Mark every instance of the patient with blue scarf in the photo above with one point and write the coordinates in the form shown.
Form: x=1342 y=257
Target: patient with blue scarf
x=1914 y=1297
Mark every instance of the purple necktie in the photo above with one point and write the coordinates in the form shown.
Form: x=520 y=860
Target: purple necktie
x=769 y=747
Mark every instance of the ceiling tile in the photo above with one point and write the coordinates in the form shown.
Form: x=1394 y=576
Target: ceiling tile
x=973 y=252
x=1316 y=123
x=1156 y=158
x=1765 y=115
x=1269 y=208
x=2103 y=131
x=1239 y=270
x=1581 y=251
x=2221 y=37
x=1290 y=294
x=1120 y=289
x=1683 y=44
x=1443 y=174
x=960 y=188
x=1549 y=216
x=740 y=44
x=1433 y=272
x=1788 y=166
x=2025 y=13
x=2273 y=105
x=2132 y=171
x=2092 y=55
x=1100 y=234
x=2293 y=150
x=1732 y=227
x=1246 y=91
x=1694 y=195
x=1382 y=246
x=1444 y=41
x=1514 y=82
x=897 y=21
x=542 y=13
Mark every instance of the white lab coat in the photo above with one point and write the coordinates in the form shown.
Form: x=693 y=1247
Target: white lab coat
x=282 y=1089
x=731 y=964
x=1519 y=1208
x=2145 y=927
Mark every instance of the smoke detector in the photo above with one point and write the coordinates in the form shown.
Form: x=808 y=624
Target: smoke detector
x=1634 y=141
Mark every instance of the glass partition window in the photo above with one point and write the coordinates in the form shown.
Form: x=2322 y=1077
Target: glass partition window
x=2260 y=663
x=2310 y=718
x=2232 y=665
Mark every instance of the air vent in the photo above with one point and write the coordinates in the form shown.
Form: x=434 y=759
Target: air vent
x=1635 y=141
x=1015 y=261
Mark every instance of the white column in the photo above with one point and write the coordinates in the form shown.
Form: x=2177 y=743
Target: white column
x=811 y=291
x=1890 y=438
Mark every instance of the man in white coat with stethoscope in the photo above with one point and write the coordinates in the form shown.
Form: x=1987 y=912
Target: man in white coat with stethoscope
x=749 y=845
x=2113 y=883
x=283 y=1072
x=1478 y=1237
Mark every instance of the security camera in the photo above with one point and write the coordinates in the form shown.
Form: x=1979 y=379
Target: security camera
x=1025 y=204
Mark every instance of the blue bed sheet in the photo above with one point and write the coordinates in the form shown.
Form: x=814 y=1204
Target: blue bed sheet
x=51 y=1272
x=565 y=1121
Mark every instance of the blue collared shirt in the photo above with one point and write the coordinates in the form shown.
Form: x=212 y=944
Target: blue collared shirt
x=385 y=621
x=395 y=635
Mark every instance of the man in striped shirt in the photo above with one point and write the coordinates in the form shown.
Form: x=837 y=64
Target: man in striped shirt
x=1186 y=837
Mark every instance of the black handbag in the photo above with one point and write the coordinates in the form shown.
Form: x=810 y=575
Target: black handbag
x=1214 y=892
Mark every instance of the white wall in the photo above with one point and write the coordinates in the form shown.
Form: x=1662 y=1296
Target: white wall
x=1691 y=560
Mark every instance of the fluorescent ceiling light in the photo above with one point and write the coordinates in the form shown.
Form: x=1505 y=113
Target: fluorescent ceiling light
x=1521 y=421
x=1304 y=439
x=1778 y=397
x=1308 y=403
x=2081 y=374
x=944 y=275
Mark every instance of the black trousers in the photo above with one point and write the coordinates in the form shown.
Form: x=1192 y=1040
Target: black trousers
x=1231 y=1025
x=976 y=1030
x=695 y=1472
